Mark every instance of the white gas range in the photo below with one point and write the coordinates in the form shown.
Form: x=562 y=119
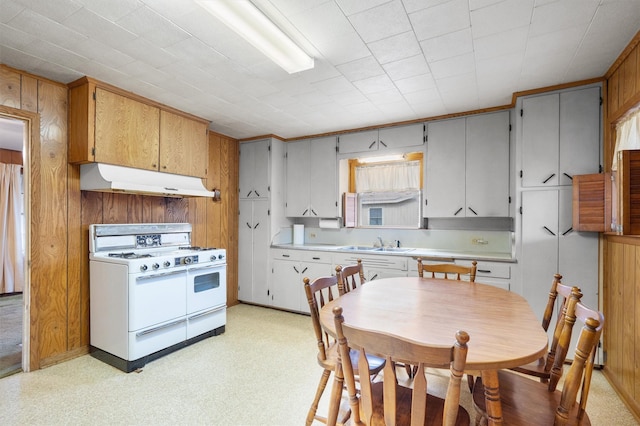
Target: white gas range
x=151 y=292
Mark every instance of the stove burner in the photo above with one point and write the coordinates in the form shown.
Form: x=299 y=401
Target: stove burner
x=197 y=248
x=129 y=255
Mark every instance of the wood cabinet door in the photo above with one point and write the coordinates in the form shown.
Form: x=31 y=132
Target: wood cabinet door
x=184 y=146
x=487 y=165
x=446 y=169
x=126 y=131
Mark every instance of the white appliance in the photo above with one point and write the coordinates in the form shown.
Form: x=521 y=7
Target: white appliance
x=151 y=292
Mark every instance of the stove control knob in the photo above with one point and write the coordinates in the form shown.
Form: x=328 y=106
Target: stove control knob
x=143 y=268
x=221 y=256
x=155 y=266
x=167 y=264
x=187 y=260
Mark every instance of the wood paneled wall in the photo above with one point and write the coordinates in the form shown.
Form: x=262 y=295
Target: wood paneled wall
x=621 y=255
x=61 y=215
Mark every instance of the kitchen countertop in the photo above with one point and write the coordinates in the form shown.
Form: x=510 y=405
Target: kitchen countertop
x=425 y=253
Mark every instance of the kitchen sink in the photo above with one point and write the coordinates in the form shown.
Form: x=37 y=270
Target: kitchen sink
x=395 y=249
x=380 y=249
x=360 y=248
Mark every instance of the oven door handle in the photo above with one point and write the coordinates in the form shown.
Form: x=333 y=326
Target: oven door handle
x=161 y=274
x=201 y=268
x=208 y=312
x=160 y=327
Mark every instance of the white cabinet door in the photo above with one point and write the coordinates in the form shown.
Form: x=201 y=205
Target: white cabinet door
x=380 y=273
x=311 y=186
x=579 y=133
x=539 y=257
x=359 y=142
x=253 y=243
x=487 y=165
x=400 y=136
x=540 y=133
x=254 y=169
x=560 y=137
x=445 y=185
x=298 y=164
x=323 y=178
x=286 y=285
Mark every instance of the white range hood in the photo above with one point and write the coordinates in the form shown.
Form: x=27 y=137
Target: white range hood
x=109 y=178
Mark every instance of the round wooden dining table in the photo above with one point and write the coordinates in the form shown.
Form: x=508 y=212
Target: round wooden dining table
x=504 y=332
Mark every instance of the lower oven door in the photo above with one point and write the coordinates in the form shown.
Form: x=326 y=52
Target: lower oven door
x=155 y=298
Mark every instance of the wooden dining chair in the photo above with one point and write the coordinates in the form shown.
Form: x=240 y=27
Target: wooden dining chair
x=386 y=402
x=319 y=292
x=528 y=402
x=352 y=277
x=447 y=270
x=542 y=367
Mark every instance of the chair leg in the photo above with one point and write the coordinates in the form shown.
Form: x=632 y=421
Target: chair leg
x=316 y=400
x=471 y=381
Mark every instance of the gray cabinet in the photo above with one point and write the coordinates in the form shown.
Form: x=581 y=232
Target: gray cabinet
x=254 y=169
x=312 y=176
x=253 y=243
x=384 y=139
x=560 y=137
x=467 y=167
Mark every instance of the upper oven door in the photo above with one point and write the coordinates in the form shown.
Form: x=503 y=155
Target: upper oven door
x=206 y=287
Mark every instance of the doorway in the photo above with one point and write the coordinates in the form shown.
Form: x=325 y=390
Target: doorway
x=16 y=127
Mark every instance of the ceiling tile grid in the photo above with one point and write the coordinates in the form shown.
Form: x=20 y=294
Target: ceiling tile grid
x=376 y=61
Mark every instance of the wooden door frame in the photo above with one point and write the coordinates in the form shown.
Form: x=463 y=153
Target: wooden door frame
x=31 y=138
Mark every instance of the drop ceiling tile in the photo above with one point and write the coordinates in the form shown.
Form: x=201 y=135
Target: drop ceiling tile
x=416 y=83
x=447 y=45
x=374 y=84
x=500 y=17
x=195 y=51
x=395 y=47
x=386 y=97
x=148 y=52
x=98 y=28
x=15 y=38
x=54 y=54
x=361 y=69
x=415 y=5
x=291 y=7
x=368 y=23
x=408 y=67
x=9 y=10
x=349 y=98
x=334 y=85
x=113 y=10
x=155 y=28
x=501 y=44
x=440 y=19
x=35 y=24
x=346 y=48
x=351 y=7
x=449 y=67
x=57 y=10
x=479 y=4
x=557 y=16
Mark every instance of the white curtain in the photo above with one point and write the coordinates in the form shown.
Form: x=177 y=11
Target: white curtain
x=627 y=135
x=11 y=251
x=400 y=176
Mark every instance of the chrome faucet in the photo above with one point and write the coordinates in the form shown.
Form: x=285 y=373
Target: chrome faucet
x=381 y=242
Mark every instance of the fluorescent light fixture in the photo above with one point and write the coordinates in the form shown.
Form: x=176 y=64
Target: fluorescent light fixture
x=250 y=23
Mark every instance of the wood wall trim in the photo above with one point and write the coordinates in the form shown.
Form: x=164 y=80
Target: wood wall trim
x=27 y=74
x=517 y=95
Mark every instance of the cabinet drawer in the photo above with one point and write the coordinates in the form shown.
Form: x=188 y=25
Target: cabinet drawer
x=315 y=256
x=489 y=269
x=284 y=254
x=375 y=261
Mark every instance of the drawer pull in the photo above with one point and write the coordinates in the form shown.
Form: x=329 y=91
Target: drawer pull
x=486 y=271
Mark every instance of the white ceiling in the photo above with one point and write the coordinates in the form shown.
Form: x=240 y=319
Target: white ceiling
x=376 y=61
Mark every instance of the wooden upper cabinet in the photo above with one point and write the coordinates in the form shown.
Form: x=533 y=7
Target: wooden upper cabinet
x=184 y=147
x=592 y=202
x=109 y=125
x=126 y=131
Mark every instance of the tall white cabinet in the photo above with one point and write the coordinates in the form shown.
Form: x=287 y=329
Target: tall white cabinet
x=559 y=137
x=261 y=191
